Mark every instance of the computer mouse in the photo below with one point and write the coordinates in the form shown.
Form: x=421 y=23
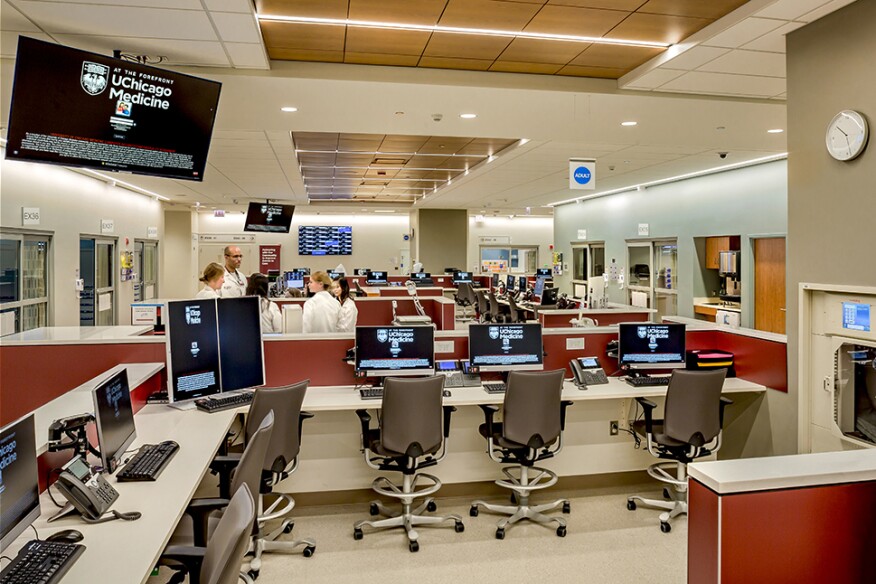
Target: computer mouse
x=446 y=393
x=66 y=536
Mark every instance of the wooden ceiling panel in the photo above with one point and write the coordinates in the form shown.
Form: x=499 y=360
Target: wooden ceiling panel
x=540 y=51
x=600 y=72
x=402 y=11
x=617 y=57
x=450 y=63
x=426 y=161
x=493 y=14
x=381 y=59
x=308 y=8
x=302 y=55
x=393 y=143
x=465 y=46
x=627 y=5
x=290 y=35
x=443 y=145
x=713 y=9
x=486 y=146
x=379 y=40
x=534 y=68
x=360 y=142
x=657 y=27
x=575 y=21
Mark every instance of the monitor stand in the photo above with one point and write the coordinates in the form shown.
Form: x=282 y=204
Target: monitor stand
x=184 y=405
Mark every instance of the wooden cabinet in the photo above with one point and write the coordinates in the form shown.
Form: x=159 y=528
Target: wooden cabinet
x=715 y=245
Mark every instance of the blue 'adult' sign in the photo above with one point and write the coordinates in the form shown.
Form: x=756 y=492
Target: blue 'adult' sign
x=582 y=175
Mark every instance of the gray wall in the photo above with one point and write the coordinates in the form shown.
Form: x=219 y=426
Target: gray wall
x=441 y=240
x=831 y=204
x=748 y=202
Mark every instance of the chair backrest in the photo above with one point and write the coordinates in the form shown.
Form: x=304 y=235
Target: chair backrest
x=692 y=410
x=249 y=469
x=286 y=438
x=483 y=307
x=515 y=312
x=230 y=540
x=531 y=413
x=412 y=414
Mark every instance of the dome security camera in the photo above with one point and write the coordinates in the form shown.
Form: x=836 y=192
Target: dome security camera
x=722 y=155
x=437 y=117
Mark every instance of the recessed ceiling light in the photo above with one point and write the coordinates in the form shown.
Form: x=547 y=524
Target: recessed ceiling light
x=775 y=131
x=289 y=109
x=629 y=123
x=523 y=141
x=468 y=116
x=384 y=211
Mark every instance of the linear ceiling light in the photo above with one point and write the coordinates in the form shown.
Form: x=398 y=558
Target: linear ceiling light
x=447 y=155
x=460 y=30
x=663 y=181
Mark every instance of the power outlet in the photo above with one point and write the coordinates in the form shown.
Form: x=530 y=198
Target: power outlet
x=612 y=428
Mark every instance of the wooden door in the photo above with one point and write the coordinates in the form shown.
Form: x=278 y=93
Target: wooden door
x=769 y=284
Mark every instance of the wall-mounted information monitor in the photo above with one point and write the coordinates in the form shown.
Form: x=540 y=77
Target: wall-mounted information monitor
x=325 y=240
x=856 y=316
x=655 y=346
x=268 y=218
x=295 y=279
x=395 y=350
x=505 y=347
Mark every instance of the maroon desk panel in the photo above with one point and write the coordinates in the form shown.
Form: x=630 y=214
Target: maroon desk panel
x=558 y=356
x=34 y=375
x=394 y=291
x=702 y=534
x=378 y=311
x=757 y=360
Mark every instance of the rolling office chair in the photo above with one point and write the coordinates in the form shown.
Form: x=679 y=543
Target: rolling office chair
x=410 y=435
x=484 y=307
x=516 y=313
x=359 y=292
x=465 y=298
x=534 y=417
x=691 y=429
x=498 y=314
x=218 y=562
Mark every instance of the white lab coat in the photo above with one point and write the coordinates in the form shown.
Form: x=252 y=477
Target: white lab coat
x=207 y=292
x=234 y=286
x=272 y=320
x=321 y=313
x=347 y=316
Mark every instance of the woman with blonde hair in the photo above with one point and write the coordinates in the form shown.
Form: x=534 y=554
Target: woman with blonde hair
x=213 y=278
x=321 y=310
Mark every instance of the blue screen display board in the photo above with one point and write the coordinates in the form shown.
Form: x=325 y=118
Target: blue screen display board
x=325 y=240
x=856 y=316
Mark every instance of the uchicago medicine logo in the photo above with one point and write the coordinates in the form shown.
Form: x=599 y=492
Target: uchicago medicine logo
x=95 y=77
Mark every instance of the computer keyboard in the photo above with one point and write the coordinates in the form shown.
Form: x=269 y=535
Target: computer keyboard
x=41 y=562
x=648 y=381
x=225 y=402
x=371 y=393
x=495 y=387
x=148 y=463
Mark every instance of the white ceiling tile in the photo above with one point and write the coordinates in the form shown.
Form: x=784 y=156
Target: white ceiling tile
x=824 y=10
x=744 y=32
x=773 y=41
x=247 y=55
x=9 y=42
x=178 y=52
x=119 y=20
x=748 y=62
x=236 y=28
x=690 y=60
x=180 y=4
x=790 y=9
x=654 y=79
x=726 y=84
x=12 y=20
x=229 y=6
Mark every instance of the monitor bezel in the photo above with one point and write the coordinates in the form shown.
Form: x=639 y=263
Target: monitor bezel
x=457 y=280
x=500 y=368
x=360 y=373
x=111 y=463
x=663 y=365
x=371 y=282
x=171 y=394
x=27 y=518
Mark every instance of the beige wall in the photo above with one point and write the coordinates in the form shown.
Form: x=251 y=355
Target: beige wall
x=442 y=238
x=831 y=204
x=522 y=231
x=179 y=253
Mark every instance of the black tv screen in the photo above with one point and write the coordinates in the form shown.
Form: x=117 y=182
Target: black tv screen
x=268 y=218
x=77 y=108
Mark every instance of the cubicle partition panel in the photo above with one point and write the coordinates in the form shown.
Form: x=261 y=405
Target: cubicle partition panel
x=759 y=360
x=375 y=311
x=422 y=291
x=562 y=318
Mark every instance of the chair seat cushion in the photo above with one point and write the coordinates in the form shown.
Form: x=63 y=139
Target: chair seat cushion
x=376 y=446
x=657 y=434
x=502 y=442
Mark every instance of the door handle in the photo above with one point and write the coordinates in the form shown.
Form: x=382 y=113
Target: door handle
x=784 y=309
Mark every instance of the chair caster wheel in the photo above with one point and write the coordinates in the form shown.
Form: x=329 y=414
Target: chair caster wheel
x=310 y=550
x=357 y=533
x=473 y=511
x=288 y=528
x=665 y=527
x=459 y=527
x=631 y=505
x=414 y=546
x=500 y=533
x=253 y=574
x=567 y=507
x=666 y=493
x=373 y=509
x=431 y=507
x=561 y=531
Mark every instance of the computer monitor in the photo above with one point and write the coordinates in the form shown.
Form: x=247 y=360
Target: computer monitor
x=361 y=271
x=543 y=272
x=539 y=286
x=295 y=280
x=335 y=275
x=115 y=419
x=450 y=270
x=462 y=278
x=549 y=296
x=643 y=345
x=522 y=283
x=420 y=276
x=495 y=281
x=241 y=353
x=305 y=271
x=192 y=349
x=395 y=350
x=505 y=347
x=19 y=485
x=374 y=277
x=510 y=282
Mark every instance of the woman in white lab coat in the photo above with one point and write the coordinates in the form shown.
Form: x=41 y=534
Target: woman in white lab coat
x=321 y=310
x=272 y=320
x=349 y=312
x=213 y=278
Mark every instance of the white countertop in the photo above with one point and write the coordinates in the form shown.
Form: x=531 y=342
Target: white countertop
x=77 y=333
x=786 y=472
x=702 y=325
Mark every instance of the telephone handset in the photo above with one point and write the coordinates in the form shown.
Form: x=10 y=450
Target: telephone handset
x=88 y=491
x=469 y=377
x=586 y=371
x=457 y=373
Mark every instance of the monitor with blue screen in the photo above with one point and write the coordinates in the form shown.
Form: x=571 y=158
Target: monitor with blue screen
x=510 y=282
x=295 y=279
x=856 y=316
x=543 y=272
x=375 y=277
x=462 y=278
x=539 y=286
x=420 y=276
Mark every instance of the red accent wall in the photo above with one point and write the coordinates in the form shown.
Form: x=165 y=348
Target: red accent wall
x=702 y=534
x=757 y=360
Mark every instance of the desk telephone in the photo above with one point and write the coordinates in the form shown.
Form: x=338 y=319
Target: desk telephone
x=457 y=373
x=88 y=491
x=586 y=371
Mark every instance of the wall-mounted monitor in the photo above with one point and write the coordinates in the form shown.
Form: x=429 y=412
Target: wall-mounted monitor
x=651 y=346
x=856 y=316
x=395 y=350
x=77 y=108
x=325 y=240
x=20 y=492
x=543 y=272
x=114 y=417
x=505 y=347
x=268 y=218
x=376 y=278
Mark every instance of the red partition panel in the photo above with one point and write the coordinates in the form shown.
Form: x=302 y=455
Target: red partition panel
x=402 y=291
x=320 y=360
x=757 y=360
x=702 y=534
x=378 y=311
x=558 y=356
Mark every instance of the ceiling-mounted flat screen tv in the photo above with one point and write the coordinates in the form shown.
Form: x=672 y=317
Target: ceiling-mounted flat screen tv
x=76 y=108
x=268 y=218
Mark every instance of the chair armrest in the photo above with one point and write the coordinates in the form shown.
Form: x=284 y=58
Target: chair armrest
x=724 y=403
x=489 y=411
x=448 y=410
x=302 y=415
x=563 y=405
x=223 y=465
x=365 y=420
x=200 y=510
x=648 y=406
x=189 y=556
